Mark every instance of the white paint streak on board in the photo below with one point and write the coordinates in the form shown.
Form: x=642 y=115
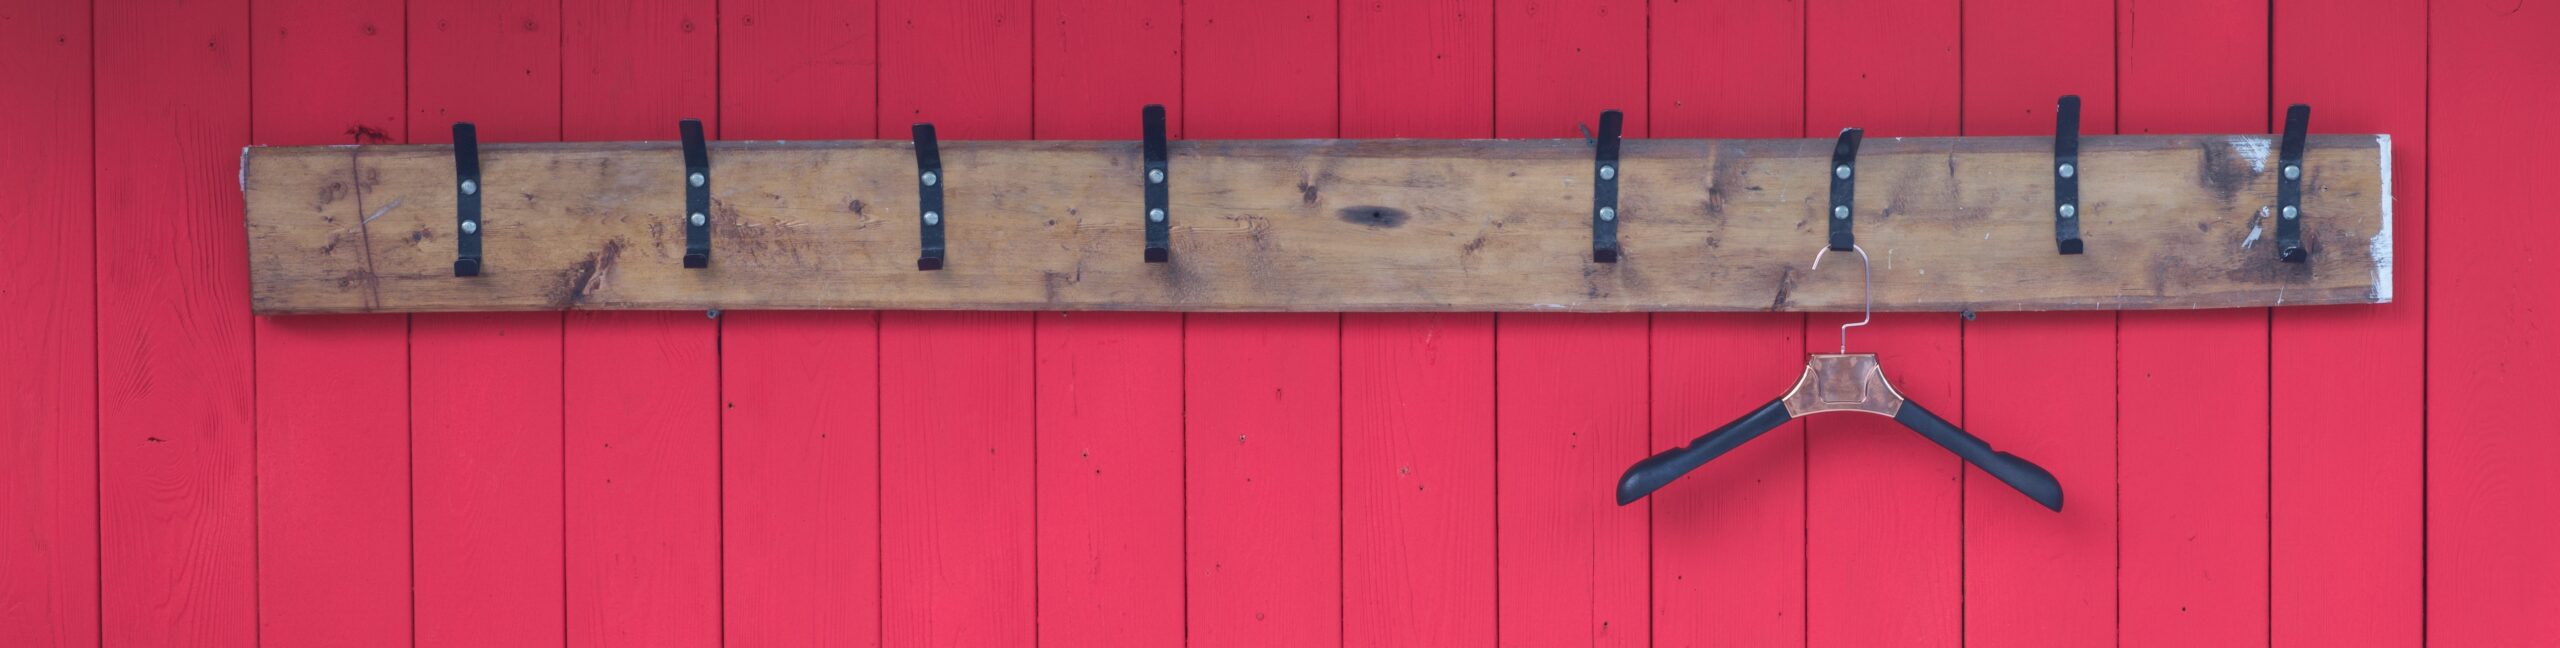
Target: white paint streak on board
x=2381 y=245
x=2253 y=148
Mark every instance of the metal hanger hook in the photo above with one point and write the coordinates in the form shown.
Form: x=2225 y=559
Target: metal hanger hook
x=1868 y=289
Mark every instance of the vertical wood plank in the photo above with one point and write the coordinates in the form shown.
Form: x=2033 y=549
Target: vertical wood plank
x=2192 y=386
x=1572 y=563
x=1417 y=391
x=957 y=410
x=48 y=396
x=2490 y=565
x=1263 y=449
x=332 y=391
x=1573 y=566
x=2349 y=384
x=1883 y=516
x=1728 y=540
x=1417 y=502
x=800 y=440
x=800 y=457
x=1109 y=384
x=799 y=69
x=175 y=500
x=1262 y=392
x=956 y=478
x=800 y=478
x=2042 y=385
x=485 y=388
x=642 y=423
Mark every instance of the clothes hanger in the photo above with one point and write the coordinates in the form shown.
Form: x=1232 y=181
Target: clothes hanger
x=1840 y=382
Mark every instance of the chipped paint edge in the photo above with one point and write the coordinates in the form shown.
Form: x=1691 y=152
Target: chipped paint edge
x=2381 y=245
x=244 y=167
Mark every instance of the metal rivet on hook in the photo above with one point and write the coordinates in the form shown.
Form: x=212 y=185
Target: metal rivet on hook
x=2290 y=213
x=1608 y=213
x=1608 y=172
x=2293 y=173
x=2068 y=170
x=1156 y=215
x=696 y=179
x=1155 y=175
x=470 y=227
x=470 y=187
x=933 y=218
x=697 y=219
x=931 y=178
x=1840 y=212
x=1842 y=171
x=2069 y=211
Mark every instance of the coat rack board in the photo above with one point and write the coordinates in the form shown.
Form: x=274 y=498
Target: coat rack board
x=1317 y=225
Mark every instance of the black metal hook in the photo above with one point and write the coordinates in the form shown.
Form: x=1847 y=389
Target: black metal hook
x=929 y=194
x=1604 y=190
x=2066 y=175
x=1159 y=214
x=2297 y=122
x=466 y=200
x=1844 y=190
x=697 y=196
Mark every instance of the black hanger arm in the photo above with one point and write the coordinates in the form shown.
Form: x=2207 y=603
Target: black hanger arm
x=1654 y=472
x=1659 y=470
x=2018 y=473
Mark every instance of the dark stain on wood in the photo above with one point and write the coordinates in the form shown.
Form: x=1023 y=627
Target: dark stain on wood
x=588 y=276
x=1374 y=216
x=2218 y=170
x=1307 y=192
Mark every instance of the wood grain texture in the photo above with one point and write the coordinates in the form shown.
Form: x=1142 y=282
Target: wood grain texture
x=2191 y=395
x=1418 y=479
x=1572 y=566
x=1883 y=507
x=1728 y=542
x=958 y=425
x=2492 y=575
x=1417 y=389
x=2043 y=384
x=332 y=392
x=49 y=393
x=641 y=397
x=800 y=439
x=1109 y=385
x=1315 y=225
x=176 y=509
x=2348 y=454
x=1262 y=394
x=800 y=479
x=485 y=388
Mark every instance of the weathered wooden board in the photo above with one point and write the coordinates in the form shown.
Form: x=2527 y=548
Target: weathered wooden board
x=1320 y=225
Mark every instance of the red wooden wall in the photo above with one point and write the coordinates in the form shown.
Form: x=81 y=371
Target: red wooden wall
x=176 y=472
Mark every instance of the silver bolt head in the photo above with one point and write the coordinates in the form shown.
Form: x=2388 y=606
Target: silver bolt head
x=1608 y=172
x=1842 y=171
x=2290 y=213
x=1841 y=212
x=696 y=179
x=470 y=227
x=697 y=219
x=2069 y=211
x=1608 y=213
x=933 y=218
x=470 y=187
x=2067 y=171
x=1156 y=215
x=931 y=178
x=2292 y=172
x=1155 y=176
